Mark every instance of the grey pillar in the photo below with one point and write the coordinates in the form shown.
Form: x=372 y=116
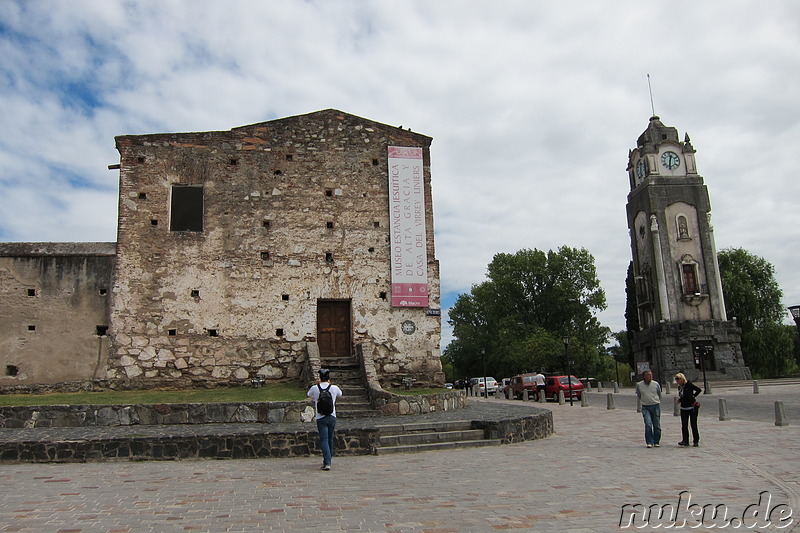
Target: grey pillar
x=708 y=390
x=677 y=410
x=755 y=386
x=584 y=400
x=599 y=386
x=666 y=387
x=780 y=415
x=610 y=401
x=561 y=397
x=616 y=387
x=542 y=397
x=723 y=409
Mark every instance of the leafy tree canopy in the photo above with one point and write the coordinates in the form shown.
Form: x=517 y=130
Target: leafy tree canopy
x=518 y=316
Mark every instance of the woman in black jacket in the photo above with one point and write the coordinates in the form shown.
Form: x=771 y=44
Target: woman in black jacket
x=687 y=397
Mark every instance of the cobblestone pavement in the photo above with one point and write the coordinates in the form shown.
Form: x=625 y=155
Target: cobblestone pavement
x=577 y=480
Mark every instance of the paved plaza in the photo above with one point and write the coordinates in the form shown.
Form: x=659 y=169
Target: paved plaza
x=577 y=480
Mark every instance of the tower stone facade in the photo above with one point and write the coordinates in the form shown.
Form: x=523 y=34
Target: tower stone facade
x=680 y=303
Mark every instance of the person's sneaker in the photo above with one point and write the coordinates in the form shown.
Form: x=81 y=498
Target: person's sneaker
x=683 y=443
x=326 y=467
x=656 y=445
x=649 y=445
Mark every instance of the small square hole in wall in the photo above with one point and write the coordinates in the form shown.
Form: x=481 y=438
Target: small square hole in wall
x=279 y=332
x=328 y=192
x=172 y=332
x=265 y=256
x=11 y=370
x=154 y=222
x=383 y=295
x=328 y=257
x=213 y=333
x=102 y=292
x=31 y=292
x=285 y=297
x=278 y=173
x=374 y=162
x=140 y=159
x=234 y=161
x=31 y=327
x=101 y=331
x=289 y=157
x=376 y=224
x=329 y=225
x=195 y=293
x=142 y=196
x=266 y=224
x=370 y=249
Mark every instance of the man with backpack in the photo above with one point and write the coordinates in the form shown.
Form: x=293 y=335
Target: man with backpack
x=324 y=395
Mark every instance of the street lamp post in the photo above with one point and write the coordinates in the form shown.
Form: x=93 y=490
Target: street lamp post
x=485 y=384
x=569 y=367
x=795 y=310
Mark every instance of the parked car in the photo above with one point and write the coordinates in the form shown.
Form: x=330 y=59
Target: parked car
x=503 y=385
x=522 y=384
x=448 y=385
x=490 y=385
x=556 y=383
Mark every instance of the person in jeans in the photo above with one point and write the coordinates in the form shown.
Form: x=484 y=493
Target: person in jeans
x=649 y=394
x=326 y=424
x=687 y=398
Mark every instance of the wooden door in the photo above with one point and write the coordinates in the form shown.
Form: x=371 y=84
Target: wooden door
x=333 y=328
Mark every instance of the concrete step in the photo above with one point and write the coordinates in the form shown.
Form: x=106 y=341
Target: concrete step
x=424 y=427
x=408 y=439
x=437 y=446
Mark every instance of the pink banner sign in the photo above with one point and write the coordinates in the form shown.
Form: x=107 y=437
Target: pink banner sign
x=407 y=226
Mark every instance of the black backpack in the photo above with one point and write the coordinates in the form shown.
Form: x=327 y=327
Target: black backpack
x=325 y=401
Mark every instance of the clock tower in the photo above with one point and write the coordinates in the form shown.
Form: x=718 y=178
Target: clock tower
x=683 y=326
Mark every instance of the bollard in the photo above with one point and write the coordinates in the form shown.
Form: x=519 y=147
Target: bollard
x=708 y=389
x=677 y=410
x=584 y=400
x=599 y=386
x=524 y=395
x=723 y=409
x=638 y=405
x=561 y=397
x=666 y=387
x=755 y=386
x=610 y=401
x=588 y=386
x=780 y=415
x=616 y=386
x=542 y=396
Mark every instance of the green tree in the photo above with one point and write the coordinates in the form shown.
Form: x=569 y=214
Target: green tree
x=753 y=296
x=631 y=315
x=530 y=300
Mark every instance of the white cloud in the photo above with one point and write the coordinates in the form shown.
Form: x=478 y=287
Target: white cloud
x=532 y=106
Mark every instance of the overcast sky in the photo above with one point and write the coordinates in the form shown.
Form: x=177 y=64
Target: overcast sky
x=532 y=105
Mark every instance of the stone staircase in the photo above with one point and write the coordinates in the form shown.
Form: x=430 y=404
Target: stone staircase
x=355 y=402
x=425 y=436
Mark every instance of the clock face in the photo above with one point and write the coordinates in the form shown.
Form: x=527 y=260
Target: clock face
x=641 y=169
x=670 y=160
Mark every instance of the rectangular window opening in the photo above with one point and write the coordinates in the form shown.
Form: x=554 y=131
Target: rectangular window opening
x=154 y=222
x=288 y=157
x=186 y=210
x=101 y=331
x=31 y=292
x=376 y=224
x=383 y=295
x=285 y=297
x=102 y=292
x=31 y=327
x=266 y=224
x=12 y=370
x=265 y=256
x=142 y=196
x=329 y=225
x=374 y=162
x=172 y=332
x=279 y=332
x=328 y=192
x=195 y=293
x=328 y=257
x=234 y=161
x=213 y=333
x=140 y=159
x=689 y=279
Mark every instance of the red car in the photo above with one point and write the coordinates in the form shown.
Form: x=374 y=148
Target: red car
x=556 y=383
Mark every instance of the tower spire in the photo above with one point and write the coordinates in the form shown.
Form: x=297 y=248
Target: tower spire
x=652 y=106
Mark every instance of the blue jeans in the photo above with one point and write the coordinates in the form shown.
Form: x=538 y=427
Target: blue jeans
x=326 y=427
x=652 y=423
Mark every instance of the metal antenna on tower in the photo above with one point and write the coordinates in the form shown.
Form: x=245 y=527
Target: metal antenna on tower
x=652 y=106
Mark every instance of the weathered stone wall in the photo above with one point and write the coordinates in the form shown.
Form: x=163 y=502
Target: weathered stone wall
x=54 y=311
x=294 y=211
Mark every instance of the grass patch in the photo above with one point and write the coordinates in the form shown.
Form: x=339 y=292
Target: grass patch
x=275 y=392
x=417 y=391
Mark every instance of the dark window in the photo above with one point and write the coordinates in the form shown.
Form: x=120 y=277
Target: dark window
x=328 y=192
x=376 y=224
x=186 y=213
x=265 y=256
x=234 y=161
x=213 y=333
x=172 y=332
x=11 y=370
x=31 y=327
x=101 y=331
x=279 y=332
x=195 y=293
x=154 y=222
x=383 y=295
x=285 y=297
x=31 y=292
x=142 y=196
x=329 y=257
x=329 y=225
x=288 y=157
x=689 y=279
x=266 y=224
x=374 y=162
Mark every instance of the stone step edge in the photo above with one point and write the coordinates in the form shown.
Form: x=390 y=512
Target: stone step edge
x=431 y=437
x=423 y=427
x=415 y=448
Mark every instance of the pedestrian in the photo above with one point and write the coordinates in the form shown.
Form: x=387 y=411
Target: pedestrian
x=649 y=394
x=690 y=407
x=538 y=379
x=324 y=395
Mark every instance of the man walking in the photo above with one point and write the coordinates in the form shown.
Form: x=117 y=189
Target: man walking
x=649 y=393
x=324 y=395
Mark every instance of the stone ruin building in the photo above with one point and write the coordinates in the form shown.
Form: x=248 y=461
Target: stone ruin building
x=261 y=252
